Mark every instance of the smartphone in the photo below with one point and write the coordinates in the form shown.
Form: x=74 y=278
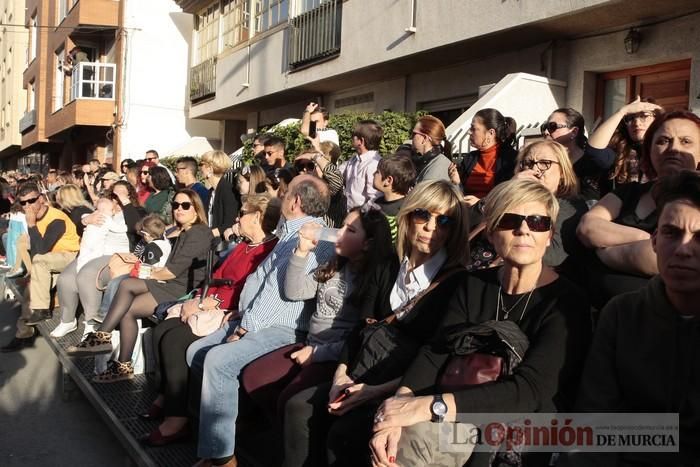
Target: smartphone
x=343 y=395
x=312 y=129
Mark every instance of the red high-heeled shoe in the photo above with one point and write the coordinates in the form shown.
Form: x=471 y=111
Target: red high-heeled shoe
x=155 y=412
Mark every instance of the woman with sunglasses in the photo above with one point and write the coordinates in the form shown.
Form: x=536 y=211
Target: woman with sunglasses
x=137 y=298
x=493 y=160
x=619 y=140
x=566 y=126
x=143 y=188
x=256 y=221
x=333 y=419
x=551 y=311
x=619 y=227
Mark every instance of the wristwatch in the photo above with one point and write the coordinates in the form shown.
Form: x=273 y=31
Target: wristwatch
x=438 y=409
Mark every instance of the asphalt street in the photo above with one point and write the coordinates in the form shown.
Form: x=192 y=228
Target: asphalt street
x=37 y=427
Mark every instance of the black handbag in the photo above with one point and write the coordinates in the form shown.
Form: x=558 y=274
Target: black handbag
x=385 y=351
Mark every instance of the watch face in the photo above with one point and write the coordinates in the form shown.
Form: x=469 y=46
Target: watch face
x=439 y=408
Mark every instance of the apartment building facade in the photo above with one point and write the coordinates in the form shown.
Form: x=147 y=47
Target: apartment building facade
x=13 y=58
x=256 y=62
x=106 y=79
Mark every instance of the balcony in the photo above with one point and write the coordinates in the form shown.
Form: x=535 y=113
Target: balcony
x=93 y=80
x=27 y=121
x=315 y=35
x=203 y=80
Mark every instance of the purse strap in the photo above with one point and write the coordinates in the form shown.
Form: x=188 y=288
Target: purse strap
x=408 y=306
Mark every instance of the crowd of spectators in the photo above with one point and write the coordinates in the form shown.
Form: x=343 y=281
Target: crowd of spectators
x=344 y=293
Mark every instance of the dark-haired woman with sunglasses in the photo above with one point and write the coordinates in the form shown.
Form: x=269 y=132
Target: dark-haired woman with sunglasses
x=551 y=311
x=432 y=226
x=137 y=298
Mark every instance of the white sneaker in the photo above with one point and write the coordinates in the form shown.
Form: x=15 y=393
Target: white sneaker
x=64 y=328
x=88 y=329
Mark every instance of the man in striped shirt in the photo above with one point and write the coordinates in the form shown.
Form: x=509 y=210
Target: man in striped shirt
x=268 y=321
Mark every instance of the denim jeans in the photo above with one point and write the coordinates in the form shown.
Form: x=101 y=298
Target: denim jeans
x=108 y=296
x=220 y=365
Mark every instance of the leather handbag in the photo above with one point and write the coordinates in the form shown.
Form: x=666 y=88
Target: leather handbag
x=470 y=370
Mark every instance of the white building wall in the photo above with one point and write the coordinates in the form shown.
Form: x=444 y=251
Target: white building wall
x=13 y=54
x=157 y=69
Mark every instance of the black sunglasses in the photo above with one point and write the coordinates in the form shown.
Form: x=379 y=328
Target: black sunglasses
x=542 y=165
x=28 y=201
x=185 y=206
x=423 y=216
x=304 y=166
x=144 y=172
x=536 y=223
x=551 y=127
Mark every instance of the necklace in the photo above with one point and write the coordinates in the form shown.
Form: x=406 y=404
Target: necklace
x=251 y=246
x=506 y=311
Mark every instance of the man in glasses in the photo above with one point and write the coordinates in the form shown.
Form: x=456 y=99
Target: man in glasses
x=153 y=157
x=186 y=174
x=274 y=155
x=54 y=243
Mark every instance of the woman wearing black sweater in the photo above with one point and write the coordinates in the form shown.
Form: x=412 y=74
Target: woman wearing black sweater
x=551 y=312
x=432 y=227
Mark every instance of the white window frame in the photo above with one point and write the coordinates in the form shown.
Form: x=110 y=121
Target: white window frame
x=270 y=13
x=234 y=20
x=33 y=39
x=60 y=79
x=207 y=36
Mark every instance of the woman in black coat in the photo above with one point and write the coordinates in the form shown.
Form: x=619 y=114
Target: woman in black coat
x=223 y=204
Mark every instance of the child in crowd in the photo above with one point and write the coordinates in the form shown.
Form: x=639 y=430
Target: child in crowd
x=342 y=290
x=153 y=248
x=96 y=237
x=394 y=178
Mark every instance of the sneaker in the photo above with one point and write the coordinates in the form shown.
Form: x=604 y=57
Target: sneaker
x=64 y=328
x=116 y=371
x=38 y=316
x=88 y=329
x=93 y=343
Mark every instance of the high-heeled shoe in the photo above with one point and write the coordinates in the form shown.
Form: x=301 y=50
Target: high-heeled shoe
x=156 y=438
x=155 y=412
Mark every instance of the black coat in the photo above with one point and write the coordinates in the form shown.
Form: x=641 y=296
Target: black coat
x=505 y=164
x=226 y=206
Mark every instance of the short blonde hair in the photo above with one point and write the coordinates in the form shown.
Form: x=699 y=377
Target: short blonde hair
x=70 y=197
x=568 y=185
x=508 y=195
x=218 y=161
x=436 y=195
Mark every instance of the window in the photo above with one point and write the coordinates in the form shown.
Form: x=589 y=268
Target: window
x=64 y=7
x=59 y=81
x=234 y=22
x=207 y=36
x=31 y=97
x=33 y=39
x=269 y=13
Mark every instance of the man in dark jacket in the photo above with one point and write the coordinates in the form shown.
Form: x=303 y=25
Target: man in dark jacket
x=645 y=356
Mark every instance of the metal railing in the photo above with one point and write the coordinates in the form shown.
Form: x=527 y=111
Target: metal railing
x=203 y=79
x=93 y=80
x=315 y=35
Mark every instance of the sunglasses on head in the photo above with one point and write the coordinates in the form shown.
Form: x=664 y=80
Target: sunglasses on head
x=551 y=127
x=28 y=201
x=185 y=206
x=307 y=166
x=423 y=216
x=542 y=165
x=536 y=223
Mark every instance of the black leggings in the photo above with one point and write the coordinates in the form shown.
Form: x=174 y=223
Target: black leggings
x=170 y=341
x=132 y=301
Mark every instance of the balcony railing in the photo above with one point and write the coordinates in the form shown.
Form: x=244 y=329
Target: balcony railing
x=93 y=81
x=203 y=80
x=27 y=121
x=315 y=35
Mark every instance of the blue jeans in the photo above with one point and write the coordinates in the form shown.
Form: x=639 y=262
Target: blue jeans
x=220 y=365
x=108 y=296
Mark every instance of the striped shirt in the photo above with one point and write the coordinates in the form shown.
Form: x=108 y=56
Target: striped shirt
x=262 y=301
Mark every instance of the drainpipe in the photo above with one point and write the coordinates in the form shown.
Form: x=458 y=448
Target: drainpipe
x=120 y=94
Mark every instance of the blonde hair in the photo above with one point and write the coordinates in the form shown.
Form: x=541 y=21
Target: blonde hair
x=255 y=176
x=508 y=195
x=218 y=161
x=437 y=195
x=70 y=197
x=568 y=183
x=269 y=208
x=153 y=224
